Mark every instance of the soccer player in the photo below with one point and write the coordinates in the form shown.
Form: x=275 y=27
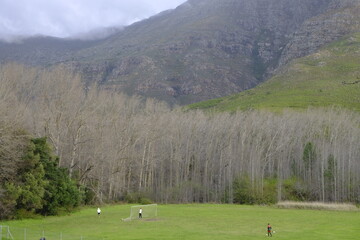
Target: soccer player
x=140 y=213
x=269 y=230
x=98 y=211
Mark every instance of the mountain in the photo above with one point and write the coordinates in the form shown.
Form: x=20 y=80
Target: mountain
x=42 y=50
x=201 y=50
x=329 y=77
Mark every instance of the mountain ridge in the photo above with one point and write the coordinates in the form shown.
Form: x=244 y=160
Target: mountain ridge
x=206 y=49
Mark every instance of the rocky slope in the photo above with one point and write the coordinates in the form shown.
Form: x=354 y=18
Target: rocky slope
x=330 y=77
x=341 y=19
x=201 y=50
x=205 y=48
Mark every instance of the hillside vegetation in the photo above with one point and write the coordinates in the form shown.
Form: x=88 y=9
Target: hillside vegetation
x=330 y=77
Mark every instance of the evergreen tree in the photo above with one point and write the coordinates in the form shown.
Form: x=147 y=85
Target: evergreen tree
x=61 y=193
x=29 y=187
x=330 y=178
x=309 y=155
x=39 y=185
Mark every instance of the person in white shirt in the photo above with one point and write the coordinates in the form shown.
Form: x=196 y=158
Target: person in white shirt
x=98 y=211
x=140 y=213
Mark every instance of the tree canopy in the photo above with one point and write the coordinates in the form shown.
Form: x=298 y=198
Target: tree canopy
x=39 y=185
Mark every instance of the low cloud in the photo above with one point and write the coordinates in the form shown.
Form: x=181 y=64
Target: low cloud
x=97 y=33
x=67 y=18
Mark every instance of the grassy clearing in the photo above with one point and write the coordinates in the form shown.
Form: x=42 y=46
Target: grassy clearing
x=195 y=221
x=324 y=79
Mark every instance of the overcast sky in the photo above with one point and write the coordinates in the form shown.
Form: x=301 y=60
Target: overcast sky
x=64 y=18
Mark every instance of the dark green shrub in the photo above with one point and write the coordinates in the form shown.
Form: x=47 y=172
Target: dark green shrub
x=145 y=201
x=133 y=197
x=247 y=193
x=243 y=193
x=137 y=197
x=295 y=190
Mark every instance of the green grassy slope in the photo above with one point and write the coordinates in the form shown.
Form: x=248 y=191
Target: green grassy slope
x=330 y=77
x=194 y=222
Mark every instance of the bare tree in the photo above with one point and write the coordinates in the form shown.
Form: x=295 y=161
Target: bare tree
x=118 y=145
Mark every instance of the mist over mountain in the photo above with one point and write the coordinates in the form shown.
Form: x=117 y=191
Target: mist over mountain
x=98 y=33
x=201 y=50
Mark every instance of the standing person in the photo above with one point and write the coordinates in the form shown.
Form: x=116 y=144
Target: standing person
x=98 y=211
x=269 y=230
x=140 y=213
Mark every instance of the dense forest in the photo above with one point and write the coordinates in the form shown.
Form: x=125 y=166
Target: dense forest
x=120 y=148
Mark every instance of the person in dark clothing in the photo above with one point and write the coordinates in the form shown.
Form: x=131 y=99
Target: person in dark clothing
x=269 y=230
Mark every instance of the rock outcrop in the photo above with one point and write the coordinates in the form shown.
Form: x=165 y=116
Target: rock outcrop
x=342 y=18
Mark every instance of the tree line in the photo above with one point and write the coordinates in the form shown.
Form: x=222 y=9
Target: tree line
x=121 y=148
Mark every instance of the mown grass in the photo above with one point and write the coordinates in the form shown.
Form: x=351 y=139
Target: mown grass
x=195 y=221
x=324 y=79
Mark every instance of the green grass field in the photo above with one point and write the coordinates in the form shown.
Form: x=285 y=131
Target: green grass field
x=193 y=221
